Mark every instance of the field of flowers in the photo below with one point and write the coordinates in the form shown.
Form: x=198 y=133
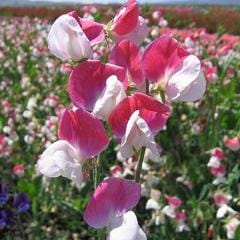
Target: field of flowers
x=190 y=177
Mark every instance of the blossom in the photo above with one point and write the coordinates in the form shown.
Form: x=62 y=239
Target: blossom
x=127 y=54
x=233 y=143
x=67 y=40
x=221 y=200
x=110 y=206
x=97 y=87
x=136 y=120
x=178 y=72
x=219 y=173
x=217 y=155
x=81 y=136
x=171 y=209
x=126 y=18
x=231 y=227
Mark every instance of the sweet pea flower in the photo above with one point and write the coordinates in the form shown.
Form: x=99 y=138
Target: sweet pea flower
x=97 y=87
x=174 y=69
x=4 y=194
x=127 y=54
x=137 y=35
x=219 y=173
x=181 y=222
x=173 y=204
x=217 y=155
x=67 y=40
x=18 y=169
x=233 y=143
x=126 y=18
x=221 y=200
x=82 y=136
x=110 y=207
x=231 y=227
x=127 y=24
x=136 y=120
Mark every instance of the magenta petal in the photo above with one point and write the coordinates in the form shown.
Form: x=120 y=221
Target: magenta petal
x=85 y=132
x=112 y=198
x=93 y=30
x=162 y=57
x=126 y=18
x=88 y=80
x=152 y=111
x=127 y=54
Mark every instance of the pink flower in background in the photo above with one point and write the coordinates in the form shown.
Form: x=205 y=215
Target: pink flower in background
x=178 y=72
x=233 y=143
x=219 y=173
x=97 y=87
x=67 y=40
x=136 y=120
x=173 y=204
x=110 y=207
x=217 y=155
x=18 y=169
x=221 y=200
x=181 y=222
x=231 y=227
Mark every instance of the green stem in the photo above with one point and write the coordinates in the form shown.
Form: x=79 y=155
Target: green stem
x=139 y=165
x=96 y=175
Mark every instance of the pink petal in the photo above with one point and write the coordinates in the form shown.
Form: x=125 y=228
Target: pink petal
x=137 y=35
x=93 y=30
x=88 y=80
x=112 y=198
x=85 y=132
x=152 y=111
x=126 y=18
x=127 y=54
x=162 y=57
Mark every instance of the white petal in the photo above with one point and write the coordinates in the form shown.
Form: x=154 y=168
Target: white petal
x=60 y=159
x=112 y=94
x=152 y=204
x=137 y=135
x=126 y=228
x=169 y=211
x=187 y=84
x=214 y=162
x=67 y=41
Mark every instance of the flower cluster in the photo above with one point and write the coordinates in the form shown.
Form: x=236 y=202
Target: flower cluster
x=132 y=94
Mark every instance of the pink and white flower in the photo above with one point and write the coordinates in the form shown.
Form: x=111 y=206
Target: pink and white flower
x=231 y=227
x=127 y=54
x=110 y=207
x=178 y=72
x=97 y=87
x=173 y=204
x=67 y=40
x=136 y=120
x=82 y=136
x=221 y=200
x=217 y=155
x=233 y=143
